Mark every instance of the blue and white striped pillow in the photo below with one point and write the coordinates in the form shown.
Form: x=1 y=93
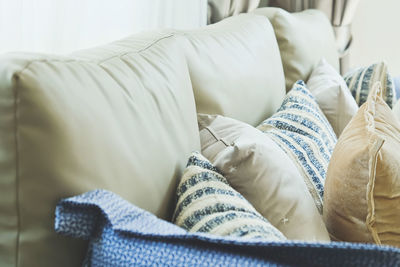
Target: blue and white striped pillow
x=300 y=128
x=360 y=81
x=207 y=203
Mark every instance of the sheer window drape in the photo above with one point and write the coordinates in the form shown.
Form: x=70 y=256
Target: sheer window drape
x=61 y=26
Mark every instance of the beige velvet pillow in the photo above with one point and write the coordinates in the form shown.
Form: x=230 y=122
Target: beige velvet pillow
x=362 y=189
x=303 y=38
x=332 y=95
x=262 y=172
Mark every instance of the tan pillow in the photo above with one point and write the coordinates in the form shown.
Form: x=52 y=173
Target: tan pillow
x=261 y=171
x=332 y=95
x=236 y=68
x=362 y=188
x=304 y=38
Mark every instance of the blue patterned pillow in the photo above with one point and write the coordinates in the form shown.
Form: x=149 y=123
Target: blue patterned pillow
x=300 y=128
x=360 y=81
x=207 y=203
x=121 y=234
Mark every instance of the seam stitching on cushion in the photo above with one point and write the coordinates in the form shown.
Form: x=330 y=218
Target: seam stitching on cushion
x=16 y=95
x=95 y=62
x=216 y=136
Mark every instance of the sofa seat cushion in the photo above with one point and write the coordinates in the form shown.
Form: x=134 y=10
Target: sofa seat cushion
x=236 y=68
x=121 y=234
x=120 y=117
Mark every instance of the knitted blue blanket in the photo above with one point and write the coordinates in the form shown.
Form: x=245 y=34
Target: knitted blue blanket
x=121 y=234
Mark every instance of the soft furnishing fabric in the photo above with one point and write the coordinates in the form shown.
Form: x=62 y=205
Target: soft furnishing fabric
x=361 y=80
x=332 y=95
x=207 y=203
x=396 y=110
x=99 y=118
x=264 y=174
x=362 y=191
x=303 y=38
x=301 y=129
x=121 y=234
x=339 y=12
x=234 y=60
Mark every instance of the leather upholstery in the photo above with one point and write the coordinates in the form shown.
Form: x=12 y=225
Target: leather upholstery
x=121 y=117
x=236 y=68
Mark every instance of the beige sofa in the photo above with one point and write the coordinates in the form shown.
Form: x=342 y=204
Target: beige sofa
x=121 y=117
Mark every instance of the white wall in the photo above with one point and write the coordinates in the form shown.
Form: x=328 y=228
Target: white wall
x=62 y=26
x=376 y=33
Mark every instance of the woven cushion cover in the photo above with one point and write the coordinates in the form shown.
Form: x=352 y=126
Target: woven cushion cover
x=207 y=203
x=361 y=80
x=300 y=128
x=121 y=234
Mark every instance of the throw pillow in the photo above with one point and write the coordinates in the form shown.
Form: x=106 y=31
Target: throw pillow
x=303 y=38
x=362 y=198
x=262 y=172
x=396 y=110
x=301 y=129
x=361 y=80
x=332 y=95
x=207 y=203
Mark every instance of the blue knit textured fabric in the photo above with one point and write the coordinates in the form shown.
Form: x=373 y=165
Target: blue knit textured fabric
x=121 y=234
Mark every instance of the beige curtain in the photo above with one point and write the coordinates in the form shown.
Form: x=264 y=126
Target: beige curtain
x=340 y=13
x=220 y=9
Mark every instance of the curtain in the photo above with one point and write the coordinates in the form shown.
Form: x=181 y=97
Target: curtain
x=340 y=13
x=61 y=26
x=220 y=9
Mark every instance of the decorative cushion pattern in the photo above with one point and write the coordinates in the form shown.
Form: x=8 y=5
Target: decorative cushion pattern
x=360 y=81
x=207 y=203
x=303 y=38
x=264 y=174
x=362 y=192
x=121 y=234
x=332 y=95
x=300 y=128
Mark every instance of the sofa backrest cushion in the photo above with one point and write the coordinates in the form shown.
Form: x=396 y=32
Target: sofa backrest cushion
x=236 y=68
x=304 y=38
x=120 y=117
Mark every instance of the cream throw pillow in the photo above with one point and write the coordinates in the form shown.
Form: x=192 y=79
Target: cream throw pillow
x=396 y=110
x=262 y=172
x=362 y=189
x=332 y=95
x=303 y=38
